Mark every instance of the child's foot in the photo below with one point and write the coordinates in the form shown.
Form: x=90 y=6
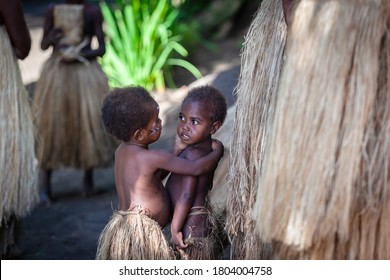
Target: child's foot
x=87 y=192
x=45 y=194
x=44 y=199
x=88 y=184
x=13 y=252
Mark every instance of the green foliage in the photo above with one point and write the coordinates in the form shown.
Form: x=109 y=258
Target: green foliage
x=188 y=26
x=140 y=45
x=200 y=21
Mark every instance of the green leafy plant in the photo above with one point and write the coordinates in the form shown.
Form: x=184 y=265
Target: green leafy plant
x=140 y=46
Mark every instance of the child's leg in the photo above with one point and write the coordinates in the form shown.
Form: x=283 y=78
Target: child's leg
x=45 y=194
x=88 y=182
x=9 y=237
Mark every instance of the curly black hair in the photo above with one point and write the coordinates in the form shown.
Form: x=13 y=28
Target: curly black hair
x=127 y=109
x=210 y=97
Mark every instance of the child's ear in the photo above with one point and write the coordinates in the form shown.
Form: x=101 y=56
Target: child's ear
x=139 y=134
x=216 y=125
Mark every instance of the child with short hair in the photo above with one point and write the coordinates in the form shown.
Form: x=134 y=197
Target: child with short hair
x=134 y=231
x=193 y=227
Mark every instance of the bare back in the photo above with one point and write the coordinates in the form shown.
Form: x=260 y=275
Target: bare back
x=139 y=184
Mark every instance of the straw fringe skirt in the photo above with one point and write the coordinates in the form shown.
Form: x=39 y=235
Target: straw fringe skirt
x=256 y=98
x=67 y=103
x=132 y=235
x=324 y=193
x=18 y=166
x=205 y=248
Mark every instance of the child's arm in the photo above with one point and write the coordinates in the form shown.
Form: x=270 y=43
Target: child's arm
x=172 y=163
x=51 y=36
x=210 y=162
x=182 y=209
x=178 y=147
x=90 y=53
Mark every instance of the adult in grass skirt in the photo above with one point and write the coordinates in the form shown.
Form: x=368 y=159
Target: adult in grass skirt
x=18 y=168
x=329 y=155
x=69 y=93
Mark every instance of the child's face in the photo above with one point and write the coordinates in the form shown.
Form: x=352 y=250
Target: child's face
x=194 y=124
x=154 y=128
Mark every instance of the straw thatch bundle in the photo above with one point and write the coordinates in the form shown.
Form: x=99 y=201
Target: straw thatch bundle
x=18 y=167
x=256 y=97
x=324 y=191
x=131 y=235
x=209 y=247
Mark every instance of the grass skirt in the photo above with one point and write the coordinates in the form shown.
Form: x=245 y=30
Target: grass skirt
x=132 y=235
x=18 y=167
x=205 y=248
x=9 y=235
x=67 y=102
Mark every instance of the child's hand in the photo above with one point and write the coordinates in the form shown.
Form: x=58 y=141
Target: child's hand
x=179 y=146
x=55 y=36
x=177 y=239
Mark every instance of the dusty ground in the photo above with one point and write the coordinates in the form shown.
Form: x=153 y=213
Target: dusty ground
x=68 y=229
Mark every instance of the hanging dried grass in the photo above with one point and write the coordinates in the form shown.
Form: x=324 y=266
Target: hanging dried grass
x=199 y=248
x=132 y=235
x=218 y=193
x=256 y=97
x=18 y=166
x=209 y=247
x=325 y=182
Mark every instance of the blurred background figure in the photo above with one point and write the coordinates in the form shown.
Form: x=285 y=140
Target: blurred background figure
x=68 y=94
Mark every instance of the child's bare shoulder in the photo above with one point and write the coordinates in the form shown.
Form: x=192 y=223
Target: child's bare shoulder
x=194 y=153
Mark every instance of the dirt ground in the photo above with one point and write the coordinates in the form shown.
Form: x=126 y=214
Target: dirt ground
x=68 y=228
